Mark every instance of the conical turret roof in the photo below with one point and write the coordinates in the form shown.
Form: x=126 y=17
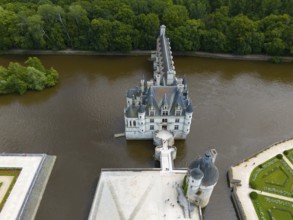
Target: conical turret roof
x=206 y=165
x=196 y=173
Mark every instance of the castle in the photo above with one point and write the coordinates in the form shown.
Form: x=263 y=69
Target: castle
x=161 y=103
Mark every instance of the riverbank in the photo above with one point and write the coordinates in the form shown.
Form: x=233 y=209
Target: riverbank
x=252 y=57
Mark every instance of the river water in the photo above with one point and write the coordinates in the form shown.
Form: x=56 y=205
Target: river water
x=240 y=108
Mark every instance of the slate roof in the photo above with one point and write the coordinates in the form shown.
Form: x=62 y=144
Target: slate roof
x=196 y=173
x=206 y=165
x=133 y=92
x=132 y=112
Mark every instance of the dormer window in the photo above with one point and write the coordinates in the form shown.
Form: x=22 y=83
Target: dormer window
x=178 y=112
x=165 y=112
x=152 y=112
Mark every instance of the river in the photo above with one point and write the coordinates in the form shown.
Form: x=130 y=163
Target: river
x=240 y=108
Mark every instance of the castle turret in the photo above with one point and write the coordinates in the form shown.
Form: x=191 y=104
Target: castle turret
x=141 y=118
x=142 y=86
x=188 y=118
x=193 y=183
x=210 y=178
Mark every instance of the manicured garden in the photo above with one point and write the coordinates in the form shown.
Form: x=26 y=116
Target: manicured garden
x=274 y=176
x=268 y=208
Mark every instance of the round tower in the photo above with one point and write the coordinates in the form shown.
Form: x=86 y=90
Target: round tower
x=193 y=182
x=188 y=118
x=210 y=179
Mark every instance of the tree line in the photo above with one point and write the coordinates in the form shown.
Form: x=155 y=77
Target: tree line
x=239 y=27
x=17 y=78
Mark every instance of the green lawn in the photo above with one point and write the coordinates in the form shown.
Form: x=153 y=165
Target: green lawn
x=269 y=208
x=274 y=176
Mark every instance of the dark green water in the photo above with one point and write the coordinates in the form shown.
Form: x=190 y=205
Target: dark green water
x=240 y=108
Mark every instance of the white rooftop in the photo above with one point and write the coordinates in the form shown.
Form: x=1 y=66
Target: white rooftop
x=138 y=194
x=19 y=205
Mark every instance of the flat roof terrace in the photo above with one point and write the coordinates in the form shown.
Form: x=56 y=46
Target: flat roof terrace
x=138 y=194
x=23 y=178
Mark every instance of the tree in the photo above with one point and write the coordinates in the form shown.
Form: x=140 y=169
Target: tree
x=146 y=27
x=78 y=26
x=125 y=15
x=122 y=37
x=175 y=16
x=288 y=38
x=213 y=41
x=35 y=30
x=240 y=34
x=101 y=34
x=274 y=27
x=54 y=23
x=219 y=20
x=257 y=42
x=7 y=29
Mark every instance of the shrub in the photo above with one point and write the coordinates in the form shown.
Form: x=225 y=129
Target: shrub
x=253 y=195
x=286 y=152
x=253 y=185
x=279 y=156
x=260 y=166
x=276 y=59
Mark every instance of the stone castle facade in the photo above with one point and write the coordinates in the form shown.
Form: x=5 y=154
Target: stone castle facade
x=161 y=103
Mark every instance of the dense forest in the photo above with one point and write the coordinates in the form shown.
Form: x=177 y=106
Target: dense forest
x=17 y=78
x=227 y=26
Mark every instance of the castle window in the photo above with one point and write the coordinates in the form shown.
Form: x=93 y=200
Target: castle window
x=152 y=112
x=134 y=123
x=177 y=112
x=151 y=120
x=165 y=113
x=164 y=120
x=177 y=120
x=151 y=127
x=176 y=127
x=130 y=123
